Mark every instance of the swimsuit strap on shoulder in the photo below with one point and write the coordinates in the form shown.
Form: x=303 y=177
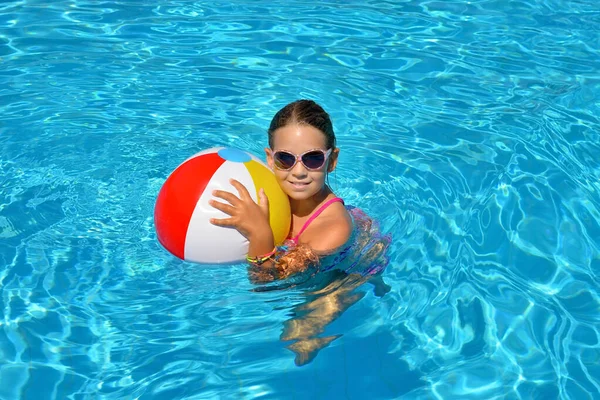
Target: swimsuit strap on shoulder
x=315 y=215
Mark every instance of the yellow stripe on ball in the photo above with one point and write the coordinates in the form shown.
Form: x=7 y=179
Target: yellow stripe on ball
x=279 y=204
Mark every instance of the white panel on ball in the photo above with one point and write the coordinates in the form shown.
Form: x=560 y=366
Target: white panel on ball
x=207 y=243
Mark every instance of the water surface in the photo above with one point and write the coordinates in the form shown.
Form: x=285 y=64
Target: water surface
x=469 y=130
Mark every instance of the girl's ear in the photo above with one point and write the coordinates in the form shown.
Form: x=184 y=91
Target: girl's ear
x=269 y=154
x=333 y=158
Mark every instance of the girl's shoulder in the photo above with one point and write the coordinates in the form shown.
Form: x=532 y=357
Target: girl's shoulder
x=330 y=230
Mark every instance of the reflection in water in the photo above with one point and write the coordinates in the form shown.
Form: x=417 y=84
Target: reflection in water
x=321 y=307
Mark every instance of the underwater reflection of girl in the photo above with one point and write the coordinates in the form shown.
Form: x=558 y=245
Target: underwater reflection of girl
x=325 y=234
x=321 y=307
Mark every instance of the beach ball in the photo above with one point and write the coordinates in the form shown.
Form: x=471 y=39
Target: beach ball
x=182 y=212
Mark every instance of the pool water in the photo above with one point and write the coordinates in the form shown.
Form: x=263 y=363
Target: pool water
x=468 y=130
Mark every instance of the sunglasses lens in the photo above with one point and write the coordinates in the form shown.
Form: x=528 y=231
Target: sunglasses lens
x=314 y=159
x=284 y=160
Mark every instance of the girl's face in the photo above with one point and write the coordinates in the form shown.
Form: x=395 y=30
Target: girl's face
x=300 y=183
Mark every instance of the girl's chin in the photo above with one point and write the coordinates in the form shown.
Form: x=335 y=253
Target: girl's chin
x=299 y=195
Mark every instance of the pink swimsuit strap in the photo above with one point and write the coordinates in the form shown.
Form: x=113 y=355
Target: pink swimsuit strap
x=315 y=215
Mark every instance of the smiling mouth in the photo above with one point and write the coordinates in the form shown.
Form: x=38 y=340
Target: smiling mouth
x=299 y=184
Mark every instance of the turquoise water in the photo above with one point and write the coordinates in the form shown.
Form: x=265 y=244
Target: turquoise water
x=469 y=130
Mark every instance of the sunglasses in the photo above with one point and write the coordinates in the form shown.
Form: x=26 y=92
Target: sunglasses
x=312 y=159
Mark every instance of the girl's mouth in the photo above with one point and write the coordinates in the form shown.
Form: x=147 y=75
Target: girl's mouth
x=299 y=185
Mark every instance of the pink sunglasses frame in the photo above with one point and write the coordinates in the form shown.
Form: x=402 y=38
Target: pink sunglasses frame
x=299 y=159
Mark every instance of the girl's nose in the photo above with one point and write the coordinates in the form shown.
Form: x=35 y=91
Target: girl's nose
x=299 y=170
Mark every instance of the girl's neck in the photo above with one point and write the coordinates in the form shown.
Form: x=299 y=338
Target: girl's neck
x=302 y=208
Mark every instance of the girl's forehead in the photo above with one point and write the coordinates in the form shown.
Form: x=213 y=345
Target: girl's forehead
x=299 y=137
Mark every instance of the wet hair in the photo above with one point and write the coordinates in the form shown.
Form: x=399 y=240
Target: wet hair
x=303 y=112
x=298 y=259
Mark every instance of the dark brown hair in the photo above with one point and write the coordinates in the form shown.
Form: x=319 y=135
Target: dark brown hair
x=303 y=112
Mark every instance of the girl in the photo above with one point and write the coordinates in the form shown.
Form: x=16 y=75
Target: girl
x=301 y=153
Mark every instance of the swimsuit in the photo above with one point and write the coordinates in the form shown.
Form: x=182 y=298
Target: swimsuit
x=294 y=241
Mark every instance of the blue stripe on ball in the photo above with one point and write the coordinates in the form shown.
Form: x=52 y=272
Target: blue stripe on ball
x=234 y=155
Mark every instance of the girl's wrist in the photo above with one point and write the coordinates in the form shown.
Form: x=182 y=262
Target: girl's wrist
x=260 y=231
x=261 y=242
x=259 y=260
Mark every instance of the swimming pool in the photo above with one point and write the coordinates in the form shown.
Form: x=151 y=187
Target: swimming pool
x=469 y=130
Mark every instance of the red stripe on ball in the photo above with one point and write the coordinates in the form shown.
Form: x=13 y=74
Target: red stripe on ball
x=178 y=197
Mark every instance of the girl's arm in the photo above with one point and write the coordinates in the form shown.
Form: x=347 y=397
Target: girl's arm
x=261 y=243
x=335 y=237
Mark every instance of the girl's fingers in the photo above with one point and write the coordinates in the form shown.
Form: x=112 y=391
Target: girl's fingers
x=227 y=196
x=244 y=194
x=227 y=222
x=263 y=201
x=226 y=208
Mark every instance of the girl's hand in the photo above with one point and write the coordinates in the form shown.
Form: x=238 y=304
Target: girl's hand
x=249 y=218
